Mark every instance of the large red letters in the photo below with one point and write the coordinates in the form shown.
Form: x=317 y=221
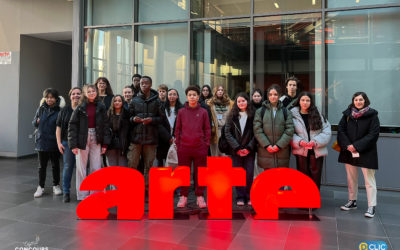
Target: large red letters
x=162 y=184
x=219 y=177
x=266 y=196
x=128 y=197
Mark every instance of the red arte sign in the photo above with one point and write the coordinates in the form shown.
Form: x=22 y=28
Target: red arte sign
x=219 y=177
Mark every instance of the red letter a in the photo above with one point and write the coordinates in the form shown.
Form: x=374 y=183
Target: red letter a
x=128 y=197
x=163 y=182
x=266 y=197
x=220 y=177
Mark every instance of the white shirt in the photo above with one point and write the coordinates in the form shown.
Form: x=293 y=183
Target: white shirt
x=242 y=120
x=171 y=118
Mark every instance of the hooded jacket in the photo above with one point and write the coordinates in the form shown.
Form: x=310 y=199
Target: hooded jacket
x=272 y=130
x=78 y=127
x=320 y=137
x=192 y=128
x=45 y=134
x=363 y=133
x=143 y=108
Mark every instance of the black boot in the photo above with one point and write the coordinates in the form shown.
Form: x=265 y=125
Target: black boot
x=66 y=198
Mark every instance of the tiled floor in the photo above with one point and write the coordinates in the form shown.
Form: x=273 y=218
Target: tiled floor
x=48 y=222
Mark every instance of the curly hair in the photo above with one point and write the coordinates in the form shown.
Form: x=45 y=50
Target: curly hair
x=314 y=117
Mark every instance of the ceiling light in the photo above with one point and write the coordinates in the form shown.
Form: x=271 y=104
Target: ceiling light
x=276 y=5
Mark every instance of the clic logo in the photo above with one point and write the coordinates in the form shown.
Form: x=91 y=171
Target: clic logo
x=219 y=177
x=372 y=245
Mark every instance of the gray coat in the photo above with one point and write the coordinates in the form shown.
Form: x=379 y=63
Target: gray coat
x=320 y=137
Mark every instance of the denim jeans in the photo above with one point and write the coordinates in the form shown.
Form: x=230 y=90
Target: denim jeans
x=247 y=163
x=69 y=165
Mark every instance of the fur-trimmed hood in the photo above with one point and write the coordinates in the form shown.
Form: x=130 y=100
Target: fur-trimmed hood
x=60 y=102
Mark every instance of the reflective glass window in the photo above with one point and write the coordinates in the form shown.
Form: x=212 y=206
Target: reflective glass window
x=161 y=53
x=287 y=46
x=355 y=3
x=221 y=54
x=219 y=8
x=161 y=10
x=268 y=6
x=108 y=52
x=363 y=54
x=103 y=12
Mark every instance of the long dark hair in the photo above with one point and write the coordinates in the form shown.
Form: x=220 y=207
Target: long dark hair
x=314 y=117
x=178 y=103
x=115 y=120
x=364 y=95
x=204 y=98
x=109 y=91
x=235 y=109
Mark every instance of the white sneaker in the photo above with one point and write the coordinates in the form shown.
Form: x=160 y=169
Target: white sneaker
x=249 y=203
x=182 y=201
x=39 y=192
x=240 y=203
x=201 y=202
x=57 y=190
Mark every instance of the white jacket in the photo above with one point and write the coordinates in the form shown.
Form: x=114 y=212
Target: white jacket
x=320 y=137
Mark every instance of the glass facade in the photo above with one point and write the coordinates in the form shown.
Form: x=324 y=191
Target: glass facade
x=221 y=54
x=335 y=47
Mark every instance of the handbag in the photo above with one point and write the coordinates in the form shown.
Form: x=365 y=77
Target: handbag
x=223 y=144
x=172 y=156
x=335 y=146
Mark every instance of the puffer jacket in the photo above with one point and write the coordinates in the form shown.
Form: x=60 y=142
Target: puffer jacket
x=234 y=136
x=143 y=108
x=119 y=135
x=45 y=133
x=79 y=125
x=273 y=131
x=320 y=137
x=363 y=133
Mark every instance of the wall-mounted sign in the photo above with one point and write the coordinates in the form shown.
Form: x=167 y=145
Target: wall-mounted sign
x=5 y=57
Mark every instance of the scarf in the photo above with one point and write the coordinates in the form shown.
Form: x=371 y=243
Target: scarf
x=358 y=113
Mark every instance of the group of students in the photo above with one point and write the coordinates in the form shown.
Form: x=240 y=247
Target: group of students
x=139 y=126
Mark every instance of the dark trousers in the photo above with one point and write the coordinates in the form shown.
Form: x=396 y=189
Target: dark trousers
x=44 y=157
x=199 y=158
x=247 y=163
x=311 y=166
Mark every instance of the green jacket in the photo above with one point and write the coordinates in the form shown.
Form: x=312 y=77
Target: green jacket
x=273 y=131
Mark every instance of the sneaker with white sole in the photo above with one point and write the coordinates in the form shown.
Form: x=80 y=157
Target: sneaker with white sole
x=39 y=192
x=249 y=203
x=57 y=190
x=182 y=201
x=370 y=212
x=240 y=203
x=201 y=202
x=351 y=204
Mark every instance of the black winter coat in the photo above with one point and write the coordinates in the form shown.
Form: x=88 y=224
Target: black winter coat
x=45 y=135
x=119 y=135
x=363 y=133
x=143 y=108
x=234 y=135
x=79 y=126
x=63 y=120
x=165 y=134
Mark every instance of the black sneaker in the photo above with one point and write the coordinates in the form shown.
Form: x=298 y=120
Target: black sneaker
x=351 y=204
x=66 y=198
x=370 y=212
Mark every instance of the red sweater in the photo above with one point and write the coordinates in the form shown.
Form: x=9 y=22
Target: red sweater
x=192 y=127
x=91 y=112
